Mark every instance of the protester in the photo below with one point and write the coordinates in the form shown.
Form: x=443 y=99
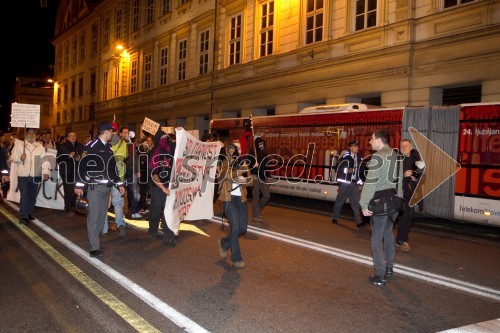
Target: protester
x=68 y=156
x=233 y=194
x=144 y=150
x=130 y=171
x=5 y=171
x=97 y=174
x=160 y=166
x=261 y=185
x=348 y=177
x=46 y=138
x=412 y=169
x=380 y=177
x=28 y=156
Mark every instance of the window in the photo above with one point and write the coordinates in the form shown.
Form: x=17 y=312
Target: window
x=64 y=116
x=59 y=58
x=266 y=28
x=453 y=3
x=72 y=115
x=93 y=37
x=105 y=32
x=148 y=60
x=74 y=52
x=133 y=76
x=118 y=24
x=204 y=51
x=150 y=11
x=182 y=60
x=235 y=40
x=66 y=55
x=82 y=46
x=80 y=113
x=58 y=118
x=65 y=93
x=135 y=16
x=366 y=14
x=461 y=95
x=80 y=86
x=163 y=66
x=166 y=6
x=314 y=21
x=73 y=89
x=116 y=81
x=93 y=82
x=105 y=85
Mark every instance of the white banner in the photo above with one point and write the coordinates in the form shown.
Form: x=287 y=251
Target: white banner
x=192 y=182
x=50 y=193
x=25 y=115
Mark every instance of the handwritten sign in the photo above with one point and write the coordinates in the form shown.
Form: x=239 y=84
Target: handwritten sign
x=25 y=115
x=150 y=126
x=168 y=129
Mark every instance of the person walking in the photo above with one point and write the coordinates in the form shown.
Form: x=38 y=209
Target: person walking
x=144 y=151
x=260 y=179
x=68 y=156
x=381 y=171
x=28 y=156
x=413 y=167
x=233 y=194
x=97 y=174
x=350 y=183
x=160 y=163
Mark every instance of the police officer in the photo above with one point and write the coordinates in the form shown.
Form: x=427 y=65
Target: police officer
x=96 y=174
x=348 y=177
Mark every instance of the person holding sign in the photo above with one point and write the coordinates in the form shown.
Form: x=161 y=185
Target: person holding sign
x=28 y=156
x=233 y=194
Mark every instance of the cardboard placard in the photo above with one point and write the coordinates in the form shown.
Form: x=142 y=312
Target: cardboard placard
x=150 y=126
x=168 y=129
x=25 y=115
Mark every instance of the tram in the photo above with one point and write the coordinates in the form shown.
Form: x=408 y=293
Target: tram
x=305 y=147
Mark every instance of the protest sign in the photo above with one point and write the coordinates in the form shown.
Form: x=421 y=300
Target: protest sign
x=150 y=126
x=25 y=115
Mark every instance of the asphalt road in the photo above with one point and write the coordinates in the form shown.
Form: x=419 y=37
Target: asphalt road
x=303 y=274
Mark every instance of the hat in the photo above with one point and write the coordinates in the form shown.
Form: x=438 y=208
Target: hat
x=115 y=126
x=353 y=143
x=105 y=126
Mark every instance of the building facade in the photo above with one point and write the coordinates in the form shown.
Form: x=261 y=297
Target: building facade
x=185 y=62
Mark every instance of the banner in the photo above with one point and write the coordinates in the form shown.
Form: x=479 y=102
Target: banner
x=192 y=182
x=50 y=193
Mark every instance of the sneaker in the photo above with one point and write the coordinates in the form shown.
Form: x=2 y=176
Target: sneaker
x=104 y=233
x=389 y=271
x=239 y=264
x=376 y=280
x=122 y=232
x=404 y=246
x=222 y=252
x=141 y=211
x=136 y=216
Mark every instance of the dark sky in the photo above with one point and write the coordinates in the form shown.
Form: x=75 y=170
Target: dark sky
x=27 y=30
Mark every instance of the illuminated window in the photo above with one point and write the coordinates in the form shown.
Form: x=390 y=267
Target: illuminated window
x=116 y=81
x=182 y=60
x=266 y=28
x=163 y=66
x=235 y=40
x=366 y=14
x=105 y=85
x=314 y=21
x=118 y=24
x=93 y=37
x=74 y=50
x=166 y=6
x=453 y=3
x=135 y=16
x=133 y=76
x=66 y=55
x=150 y=11
x=204 y=51
x=148 y=61
x=105 y=32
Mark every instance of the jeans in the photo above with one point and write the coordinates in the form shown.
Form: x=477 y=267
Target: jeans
x=118 y=202
x=237 y=212
x=351 y=191
x=383 y=245
x=132 y=201
x=28 y=188
x=259 y=203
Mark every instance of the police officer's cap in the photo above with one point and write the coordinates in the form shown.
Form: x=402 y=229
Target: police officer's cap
x=353 y=143
x=105 y=126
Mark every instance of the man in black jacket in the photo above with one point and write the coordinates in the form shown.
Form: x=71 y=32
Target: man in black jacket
x=349 y=183
x=260 y=180
x=68 y=156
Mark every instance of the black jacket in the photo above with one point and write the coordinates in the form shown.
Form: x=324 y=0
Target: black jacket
x=97 y=166
x=68 y=166
x=348 y=168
